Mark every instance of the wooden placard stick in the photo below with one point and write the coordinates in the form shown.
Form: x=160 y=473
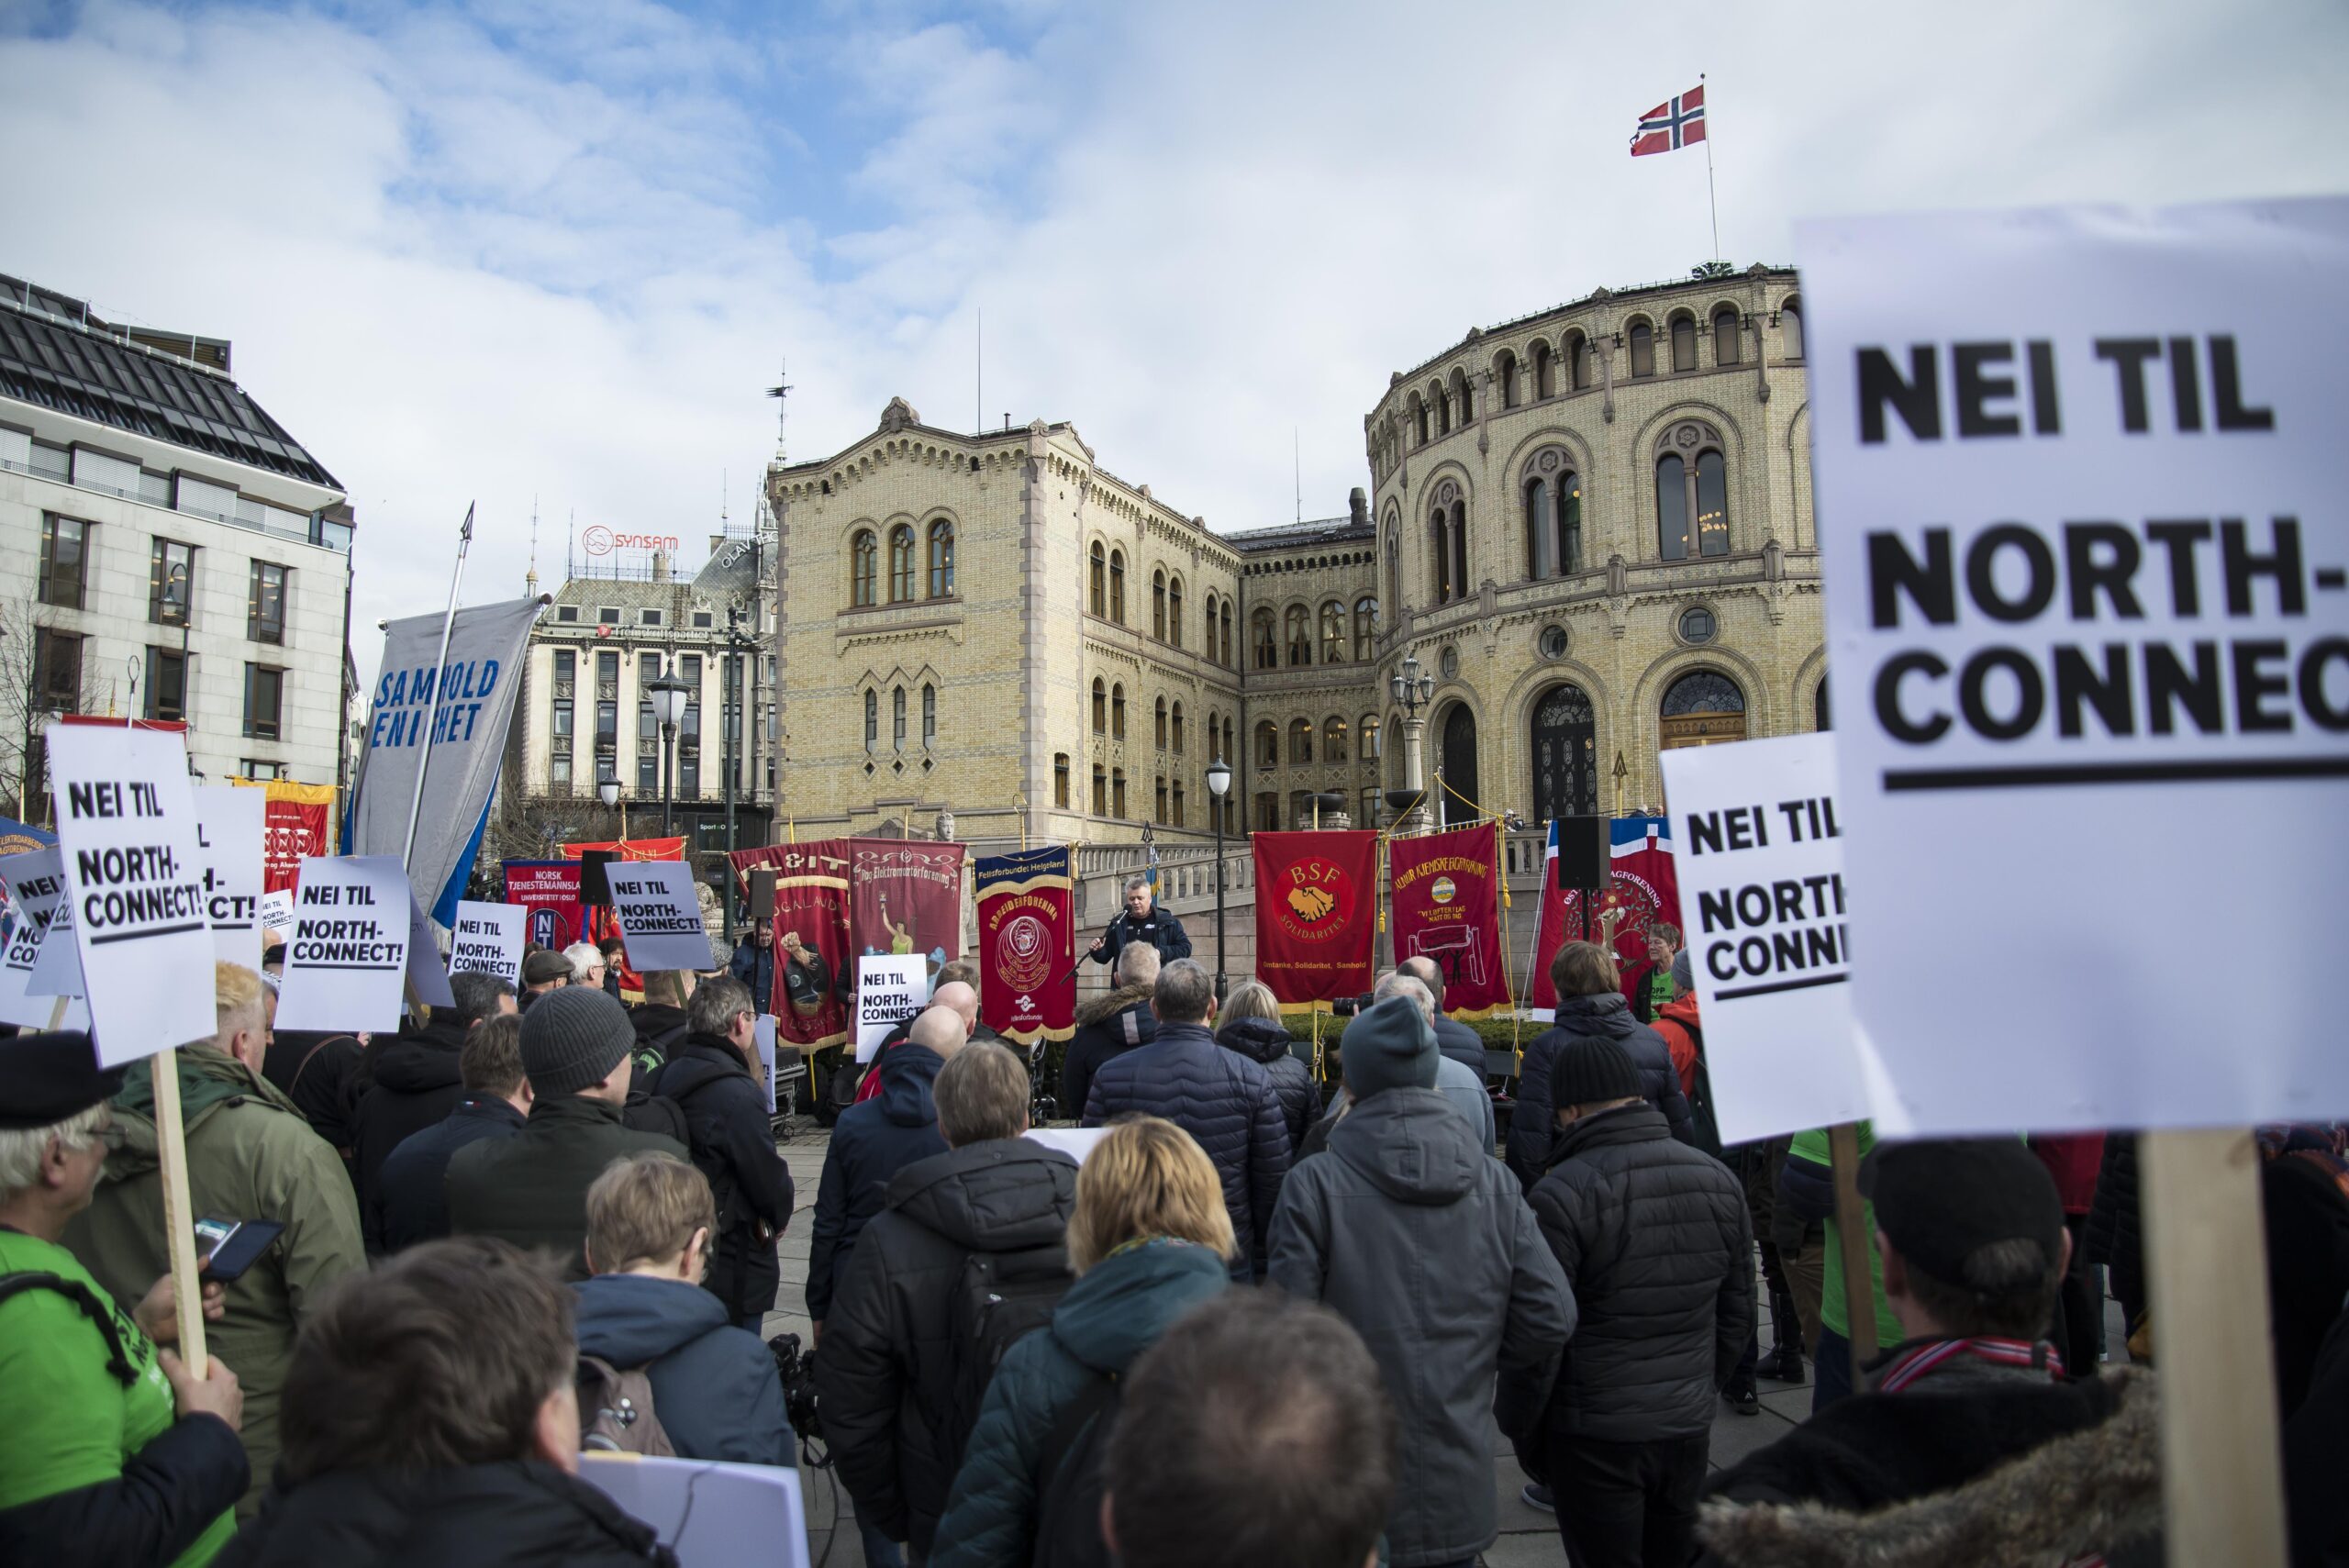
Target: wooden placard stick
x=1851 y=1228
x=2206 y=1254
x=57 y=1014
x=179 y=1223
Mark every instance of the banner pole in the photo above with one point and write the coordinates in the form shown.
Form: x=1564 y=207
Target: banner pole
x=179 y=1224
x=1859 y=1287
x=439 y=678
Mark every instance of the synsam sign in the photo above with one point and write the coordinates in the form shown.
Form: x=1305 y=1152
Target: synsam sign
x=403 y=697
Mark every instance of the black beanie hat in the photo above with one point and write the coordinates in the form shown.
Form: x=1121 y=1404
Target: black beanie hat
x=1942 y=1200
x=1591 y=1073
x=1388 y=1046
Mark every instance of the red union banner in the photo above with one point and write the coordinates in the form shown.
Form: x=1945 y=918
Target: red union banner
x=1317 y=913
x=812 y=928
x=1027 y=940
x=549 y=891
x=1447 y=908
x=1642 y=888
x=906 y=896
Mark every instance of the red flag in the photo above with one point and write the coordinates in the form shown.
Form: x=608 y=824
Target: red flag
x=1557 y=922
x=1670 y=125
x=1447 y=908
x=1317 y=913
x=549 y=890
x=810 y=918
x=906 y=896
x=1027 y=944
x=1642 y=888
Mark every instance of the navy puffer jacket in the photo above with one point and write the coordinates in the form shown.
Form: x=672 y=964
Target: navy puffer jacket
x=871 y=1143
x=1531 y=1128
x=1225 y=1102
x=1268 y=1044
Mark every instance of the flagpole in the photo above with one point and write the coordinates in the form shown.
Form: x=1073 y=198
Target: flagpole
x=1713 y=205
x=439 y=677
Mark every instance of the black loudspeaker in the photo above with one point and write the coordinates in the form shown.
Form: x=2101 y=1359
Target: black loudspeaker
x=1582 y=853
x=762 y=895
x=594 y=885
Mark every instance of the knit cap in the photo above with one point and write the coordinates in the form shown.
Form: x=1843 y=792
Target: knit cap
x=1591 y=1073
x=1388 y=1046
x=571 y=1038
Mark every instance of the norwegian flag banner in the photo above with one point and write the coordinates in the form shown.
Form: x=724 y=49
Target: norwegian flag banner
x=1642 y=887
x=1671 y=126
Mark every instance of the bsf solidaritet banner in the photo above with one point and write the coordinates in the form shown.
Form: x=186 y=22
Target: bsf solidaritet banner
x=1027 y=944
x=1447 y=889
x=1317 y=913
x=906 y=897
x=816 y=973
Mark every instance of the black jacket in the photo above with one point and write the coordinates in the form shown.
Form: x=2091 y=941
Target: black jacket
x=1589 y=1017
x=1107 y=1026
x=168 y=1494
x=660 y=1028
x=412 y=1082
x=324 y=1075
x=2316 y=1456
x=1226 y=1103
x=1268 y=1043
x=871 y=1143
x=1461 y=1043
x=886 y=1376
x=714 y=1385
x=410 y=1203
x=1159 y=929
x=531 y=1189
x=1654 y=1239
x=733 y=1142
x=475 y=1516
x=2114 y=1235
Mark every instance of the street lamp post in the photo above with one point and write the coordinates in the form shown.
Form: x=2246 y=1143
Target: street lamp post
x=668 y=706
x=1412 y=691
x=1219 y=782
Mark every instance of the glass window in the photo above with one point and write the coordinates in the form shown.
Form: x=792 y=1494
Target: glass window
x=864 y=569
x=702 y=620
x=929 y=716
x=608 y=614
x=1100 y=705
x=872 y=720
x=1545 y=372
x=1300 y=645
x=1642 y=350
x=941 y=559
x=266 y=607
x=1178 y=729
x=1158 y=606
x=566 y=613
x=1159 y=720
x=1099 y=599
x=688 y=766
x=1582 y=358
x=648 y=770
x=1267 y=653
x=1370 y=752
x=1671 y=507
x=1712 y=505
x=559 y=775
x=1158 y=800
x=166 y=683
x=1365 y=628
x=57 y=670
x=1684 y=343
x=1553 y=642
x=1223 y=636
x=1117 y=591
x=689 y=725
x=897 y=718
x=1100 y=792
x=1725 y=346
x=1697 y=626
x=1790 y=327
x=1268 y=805
x=1060 y=779
x=1333 y=739
x=1174 y=616
x=1268 y=744
x=52 y=462
x=1117 y=711
x=264 y=701
x=1570 y=523
x=64 y=545
x=171 y=582
x=1300 y=741
x=1540 y=531
x=1117 y=792
x=1178 y=803
x=1333 y=634
x=901 y=563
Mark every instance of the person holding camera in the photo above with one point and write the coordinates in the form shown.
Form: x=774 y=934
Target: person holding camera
x=1142 y=921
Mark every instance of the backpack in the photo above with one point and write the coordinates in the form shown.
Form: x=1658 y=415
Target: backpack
x=1000 y=1297
x=654 y=1054
x=108 y=1324
x=616 y=1414
x=1073 y=1468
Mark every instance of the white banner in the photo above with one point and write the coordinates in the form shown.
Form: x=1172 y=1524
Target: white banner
x=488 y=938
x=348 y=955
x=230 y=824
x=765 y=1042
x=277 y=912
x=1762 y=908
x=36 y=884
x=126 y=821
x=889 y=991
x=660 y=914
x=711 y=1515
x=2087 y=571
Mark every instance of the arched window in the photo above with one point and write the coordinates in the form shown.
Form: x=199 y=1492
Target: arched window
x=901 y=563
x=1117 y=792
x=1671 y=507
x=1703 y=707
x=1100 y=705
x=1117 y=711
x=1100 y=791
x=1541 y=530
x=1099 y=601
x=1725 y=336
x=1545 y=372
x=1177 y=717
x=1463 y=398
x=1060 y=779
x=929 y=716
x=1448 y=537
x=1174 y=610
x=941 y=559
x=1683 y=343
x=1691 y=493
x=1295 y=633
x=1178 y=803
x=1419 y=417
x=1223 y=636
x=1158 y=605
x=1333 y=633
x=1158 y=800
x=1442 y=402
x=1333 y=739
x=1505 y=375
x=1394 y=558
x=1370 y=752
x=1819 y=715
x=1268 y=744
x=1582 y=355
x=1225 y=749
x=1712 y=504
x=897 y=718
x=1118 y=586
x=1210 y=607
x=872 y=721
x=1260 y=626
x=1565 y=754
x=1790 y=326
x=1159 y=717
x=1300 y=741
x=1642 y=350
x=1553 y=517
x=1365 y=628
x=864 y=569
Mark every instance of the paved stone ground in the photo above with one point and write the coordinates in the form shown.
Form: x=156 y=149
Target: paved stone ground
x=1528 y=1535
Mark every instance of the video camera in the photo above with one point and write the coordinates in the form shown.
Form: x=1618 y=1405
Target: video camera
x=796 y=1371
x=1347 y=1006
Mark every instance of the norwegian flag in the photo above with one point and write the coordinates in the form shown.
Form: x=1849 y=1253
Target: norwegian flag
x=1667 y=128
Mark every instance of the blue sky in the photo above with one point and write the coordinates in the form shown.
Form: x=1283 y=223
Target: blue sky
x=526 y=250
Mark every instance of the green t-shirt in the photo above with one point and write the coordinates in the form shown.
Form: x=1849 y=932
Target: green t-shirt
x=1833 y=1310
x=66 y=1421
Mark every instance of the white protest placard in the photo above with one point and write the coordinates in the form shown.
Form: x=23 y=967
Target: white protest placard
x=127 y=825
x=1763 y=911
x=428 y=977
x=57 y=968
x=349 y=953
x=229 y=828
x=890 y=990
x=2087 y=582
x=764 y=1040
x=277 y=911
x=660 y=914
x=1075 y=1142
x=36 y=884
x=712 y=1515
x=488 y=938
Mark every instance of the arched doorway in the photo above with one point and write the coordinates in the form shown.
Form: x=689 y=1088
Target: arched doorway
x=1565 y=754
x=1703 y=707
x=1459 y=763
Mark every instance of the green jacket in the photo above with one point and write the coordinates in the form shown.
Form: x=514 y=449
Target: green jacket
x=531 y=1189
x=1833 y=1310
x=251 y=1156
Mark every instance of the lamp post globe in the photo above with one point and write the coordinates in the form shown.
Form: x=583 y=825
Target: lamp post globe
x=668 y=696
x=609 y=791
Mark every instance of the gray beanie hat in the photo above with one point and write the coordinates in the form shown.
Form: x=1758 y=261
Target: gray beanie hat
x=1389 y=1046
x=571 y=1038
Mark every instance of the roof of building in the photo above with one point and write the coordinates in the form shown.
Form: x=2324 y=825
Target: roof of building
x=63 y=365
x=1297 y=536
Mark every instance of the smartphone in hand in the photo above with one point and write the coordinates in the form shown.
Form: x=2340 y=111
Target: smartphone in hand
x=225 y=1248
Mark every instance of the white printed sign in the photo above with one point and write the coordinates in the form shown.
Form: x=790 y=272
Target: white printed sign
x=348 y=953
x=2086 y=580
x=229 y=825
x=35 y=882
x=1076 y=1142
x=277 y=911
x=764 y=1040
x=127 y=825
x=889 y=991
x=660 y=914
x=1763 y=911
x=57 y=968
x=711 y=1515
x=488 y=939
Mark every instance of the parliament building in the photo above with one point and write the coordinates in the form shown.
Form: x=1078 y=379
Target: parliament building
x=1591 y=528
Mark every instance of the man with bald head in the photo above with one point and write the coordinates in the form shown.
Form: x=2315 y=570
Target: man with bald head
x=875 y=1139
x=959 y=995
x=1454 y=1039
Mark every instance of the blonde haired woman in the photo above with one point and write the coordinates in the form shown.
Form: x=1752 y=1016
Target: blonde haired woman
x=1249 y=1024
x=1148 y=1241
